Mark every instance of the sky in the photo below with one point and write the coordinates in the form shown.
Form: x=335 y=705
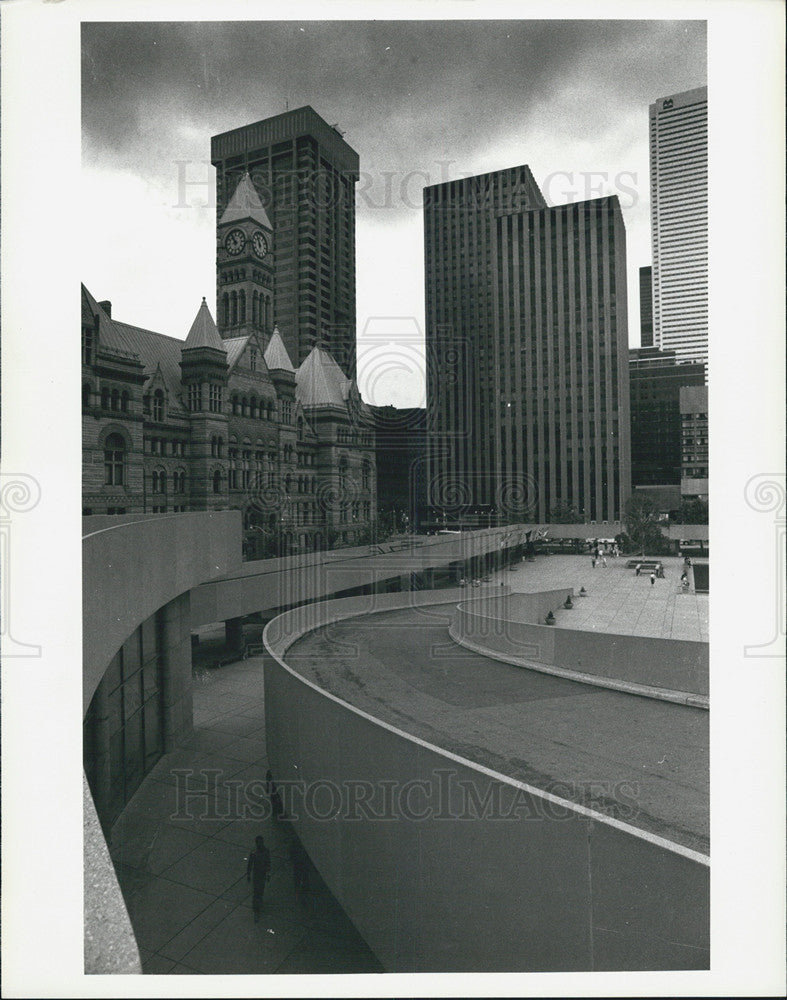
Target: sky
x=420 y=101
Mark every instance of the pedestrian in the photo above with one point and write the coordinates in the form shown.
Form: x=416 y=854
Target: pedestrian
x=652 y=579
x=603 y=560
x=258 y=872
x=593 y=561
x=638 y=569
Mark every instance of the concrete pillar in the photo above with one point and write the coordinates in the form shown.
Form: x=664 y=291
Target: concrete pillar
x=177 y=685
x=233 y=633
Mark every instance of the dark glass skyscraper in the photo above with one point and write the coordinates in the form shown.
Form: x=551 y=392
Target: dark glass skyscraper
x=305 y=175
x=527 y=351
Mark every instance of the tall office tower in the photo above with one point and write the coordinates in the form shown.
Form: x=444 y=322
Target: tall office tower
x=527 y=352
x=679 y=223
x=304 y=174
x=646 y=307
x=656 y=381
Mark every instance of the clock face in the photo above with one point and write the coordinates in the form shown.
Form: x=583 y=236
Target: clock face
x=259 y=244
x=235 y=242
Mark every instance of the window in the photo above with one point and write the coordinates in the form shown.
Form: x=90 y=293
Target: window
x=115 y=404
x=217 y=481
x=124 y=401
x=195 y=397
x=87 y=346
x=215 y=398
x=114 y=460
x=158 y=405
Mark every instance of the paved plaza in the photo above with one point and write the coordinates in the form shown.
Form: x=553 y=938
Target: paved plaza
x=617 y=599
x=184 y=878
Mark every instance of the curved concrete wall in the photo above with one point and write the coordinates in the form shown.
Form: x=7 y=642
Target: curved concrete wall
x=437 y=882
x=276 y=583
x=132 y=569
x=675 y=666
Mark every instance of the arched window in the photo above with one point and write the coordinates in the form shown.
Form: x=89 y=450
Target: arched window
x=300 y=428
x=158 y=405
x=124 y=401
x=217 y=481
x=234 y=299
x=114 y=460
x=105 y=399
x=115 y=399
x=253 y=407
x=255 y=309
x=242 y=306
x=225 y=305
x=342 y=473
x=220 y=451
x=244 y=407
x=86 y=394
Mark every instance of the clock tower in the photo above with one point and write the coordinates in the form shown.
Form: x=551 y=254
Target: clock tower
x=244 y=266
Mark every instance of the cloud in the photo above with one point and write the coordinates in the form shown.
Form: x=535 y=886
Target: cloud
x=420 y=101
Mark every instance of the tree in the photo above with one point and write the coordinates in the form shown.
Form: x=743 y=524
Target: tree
x=642 y=524
x=693 y=512
x=564 y=513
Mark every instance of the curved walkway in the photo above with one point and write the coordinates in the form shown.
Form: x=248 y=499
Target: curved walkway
x=643 y=761
x=181 y=863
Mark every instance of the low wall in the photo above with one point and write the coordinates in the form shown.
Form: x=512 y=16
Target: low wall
x=276 y=583
x=453 y=867
x=677 y=668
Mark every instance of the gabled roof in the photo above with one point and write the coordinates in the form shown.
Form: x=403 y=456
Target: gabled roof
x=158 y=352
x=245 y=204
x=320 y=381
x=235 y=346
x=203 y=332
x=276 y=356
x=110 y=333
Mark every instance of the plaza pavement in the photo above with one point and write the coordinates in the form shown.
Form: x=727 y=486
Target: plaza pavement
x=184 y=880
x=617 y=599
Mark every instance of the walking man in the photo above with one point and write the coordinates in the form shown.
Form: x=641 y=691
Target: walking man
x=258 y=873
x=652 y=578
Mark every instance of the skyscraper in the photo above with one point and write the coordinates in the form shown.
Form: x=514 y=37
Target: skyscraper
x=527 y=351
x=646 y=307
x=656 y=381
x=304 y=175
x=679 y=223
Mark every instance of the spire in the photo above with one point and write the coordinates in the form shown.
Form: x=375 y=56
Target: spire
x=245 y=204
x=320 y=381
x=203 y=332
x=276 y=356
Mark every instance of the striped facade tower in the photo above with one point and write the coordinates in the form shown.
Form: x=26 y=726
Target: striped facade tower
x=679 y=223
x=527 y=352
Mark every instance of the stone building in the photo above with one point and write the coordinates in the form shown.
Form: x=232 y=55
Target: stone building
x=214 y=423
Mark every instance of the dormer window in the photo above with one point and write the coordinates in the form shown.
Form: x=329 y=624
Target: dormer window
x=158 y=405
x=253 y=359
